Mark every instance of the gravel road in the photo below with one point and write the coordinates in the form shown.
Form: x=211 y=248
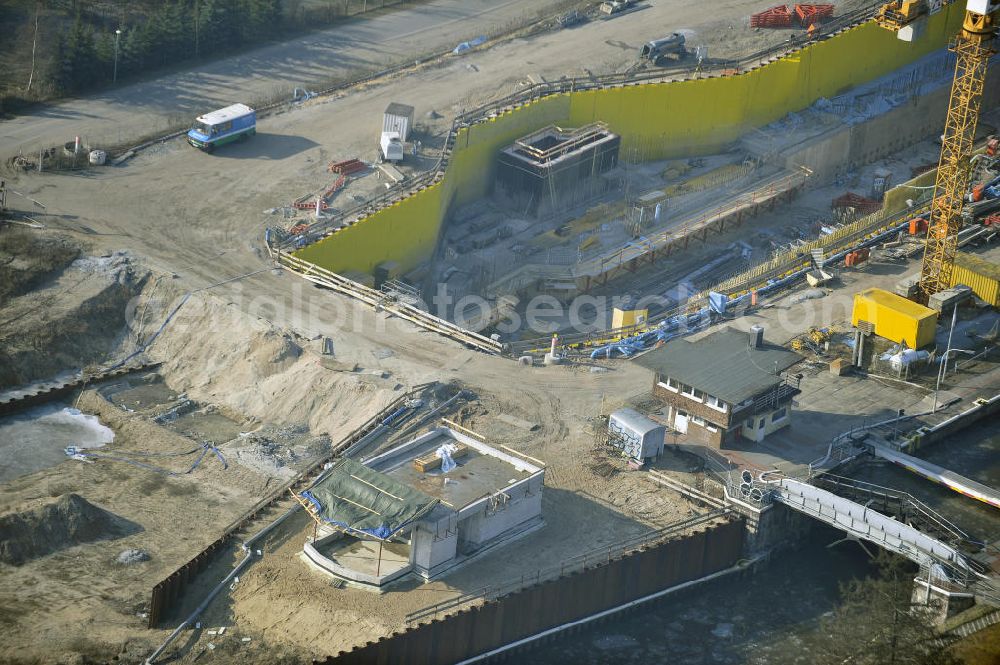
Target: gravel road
x=360 y=45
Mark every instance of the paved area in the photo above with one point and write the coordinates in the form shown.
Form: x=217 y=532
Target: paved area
x=361 y=45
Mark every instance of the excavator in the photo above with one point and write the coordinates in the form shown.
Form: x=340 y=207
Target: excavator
x=973 y=46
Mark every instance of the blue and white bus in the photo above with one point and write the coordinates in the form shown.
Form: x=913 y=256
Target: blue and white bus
x=233 y=123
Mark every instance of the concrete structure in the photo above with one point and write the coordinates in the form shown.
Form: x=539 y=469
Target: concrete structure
x=490 y=497
x=723 y=387
x=554 y=167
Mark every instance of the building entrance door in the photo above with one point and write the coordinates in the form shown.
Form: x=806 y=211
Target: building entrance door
x=681 y=422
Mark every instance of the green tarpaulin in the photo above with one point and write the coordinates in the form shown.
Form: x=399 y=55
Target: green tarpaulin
x=362 y=500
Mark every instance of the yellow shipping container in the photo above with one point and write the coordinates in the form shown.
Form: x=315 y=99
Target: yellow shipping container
x=981 y=276
x=895 y=318
x=621 y=318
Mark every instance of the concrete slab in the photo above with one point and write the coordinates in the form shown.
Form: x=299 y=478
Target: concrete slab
x=368 y=556
x=476 y=475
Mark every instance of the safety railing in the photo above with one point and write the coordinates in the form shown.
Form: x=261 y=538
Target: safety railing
x=384 y=302
x=930 y=520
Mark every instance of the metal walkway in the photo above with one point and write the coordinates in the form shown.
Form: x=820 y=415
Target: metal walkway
x=901 y=506
x=868 y=524
x=939 y=475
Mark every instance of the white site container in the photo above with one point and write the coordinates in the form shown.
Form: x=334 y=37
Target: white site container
x=391 y=147
x=636 y=435
x=398 y=118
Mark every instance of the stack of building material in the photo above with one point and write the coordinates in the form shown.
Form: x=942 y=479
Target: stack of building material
x=857 y=257
x=775 y=17
x=347 y=167
x=432 y=461
x=335 y=187
x=861 y=204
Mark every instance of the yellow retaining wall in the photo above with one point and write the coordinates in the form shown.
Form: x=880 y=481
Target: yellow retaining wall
x=473 y=161
x=655 y=121
x=405 y=232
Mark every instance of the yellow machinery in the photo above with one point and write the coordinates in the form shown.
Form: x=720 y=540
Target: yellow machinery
x=896 y=15
x=814 y=339
x=973 y=48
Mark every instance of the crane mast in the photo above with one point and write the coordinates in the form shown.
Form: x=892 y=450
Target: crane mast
x=972 y=48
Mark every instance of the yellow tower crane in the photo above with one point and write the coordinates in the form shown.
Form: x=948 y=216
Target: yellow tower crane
x=973 y=48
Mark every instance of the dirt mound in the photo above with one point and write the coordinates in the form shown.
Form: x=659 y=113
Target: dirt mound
x=27 y=258
x=69 y=520
x=71 y=320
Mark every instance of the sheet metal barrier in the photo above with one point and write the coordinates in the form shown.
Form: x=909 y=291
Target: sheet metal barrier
x=414 y=218
x=49 y=393
x=583 y=592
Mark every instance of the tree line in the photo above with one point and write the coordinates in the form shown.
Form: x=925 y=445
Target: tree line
x=77 y=45
x=85 y=57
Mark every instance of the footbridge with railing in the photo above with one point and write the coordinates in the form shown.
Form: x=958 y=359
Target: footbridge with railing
x=934 y=555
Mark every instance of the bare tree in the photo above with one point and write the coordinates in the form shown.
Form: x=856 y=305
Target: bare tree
x=34 y=44
x=878 y=623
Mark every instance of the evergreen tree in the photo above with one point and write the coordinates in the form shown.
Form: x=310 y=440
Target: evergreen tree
x=104 y=54
x=79 y=58
x=216 y=25
x=170 y=24
x=262 y=18
x=134 y=50
x=55 y=73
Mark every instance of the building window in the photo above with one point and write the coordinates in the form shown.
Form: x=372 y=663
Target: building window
x=692 y=393
x=712 y=428
x=761 y=425
x=698 y=420
x=670 y=385
x=750 y=424
x=779 y=415
x=715 y=403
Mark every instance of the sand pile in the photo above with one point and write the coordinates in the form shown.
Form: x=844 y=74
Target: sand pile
x=69 y=520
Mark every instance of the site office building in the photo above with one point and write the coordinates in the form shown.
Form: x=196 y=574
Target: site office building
x=726 y=386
